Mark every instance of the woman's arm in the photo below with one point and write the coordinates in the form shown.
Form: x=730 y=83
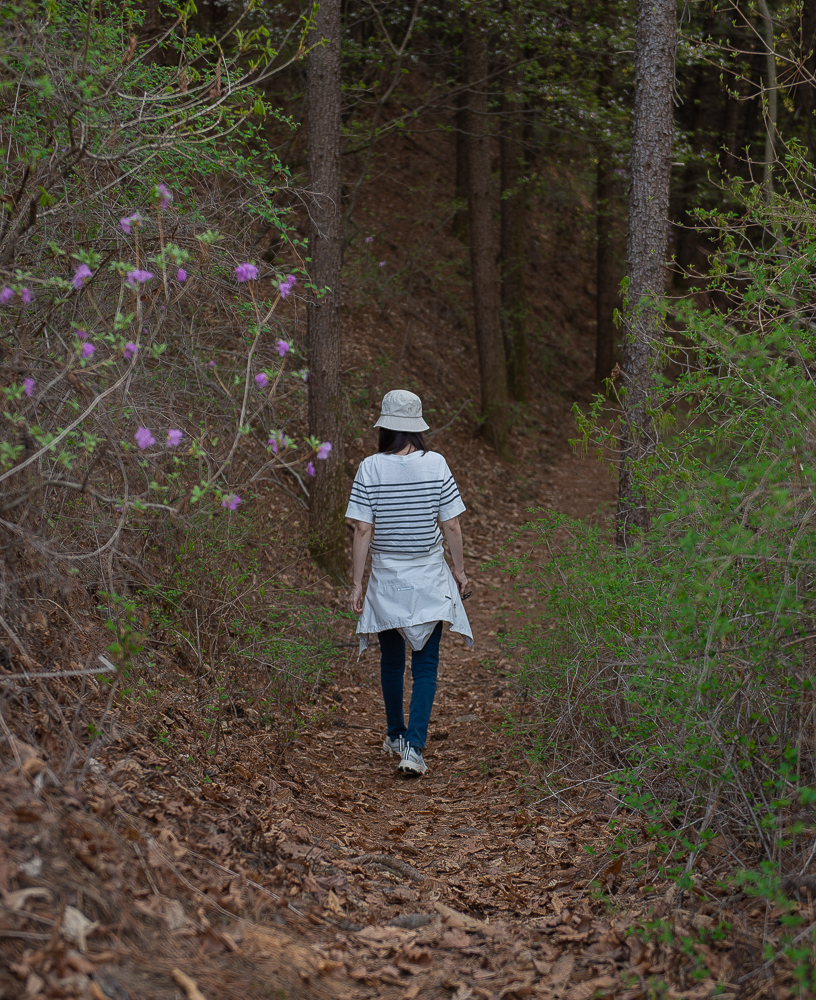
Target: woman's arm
x=359 y=554
x=453 y=536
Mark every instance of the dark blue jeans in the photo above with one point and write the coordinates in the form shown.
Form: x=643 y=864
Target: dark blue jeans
x=424 y=666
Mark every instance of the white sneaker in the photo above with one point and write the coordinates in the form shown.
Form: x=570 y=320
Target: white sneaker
x=394 y=746
x=412 y=762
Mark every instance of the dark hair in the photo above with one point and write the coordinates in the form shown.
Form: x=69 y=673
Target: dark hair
x=393 y=441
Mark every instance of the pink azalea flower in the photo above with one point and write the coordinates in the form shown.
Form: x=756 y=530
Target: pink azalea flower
x=129 y=221
x=287 y=285
x=283 y=348
x=6 y=296
x=26 y=296
x=310 y=469
x=129 y=350
x=261 y=380
x=87 y=350
x=163 y=192
x=137 y=277
x=81 y=275
x=231 y=501
x=174 y=438
x=29 y=386
x=278 y=441
x=181 y=275
x=144 y=438
x=246 y=272
x=324 y=450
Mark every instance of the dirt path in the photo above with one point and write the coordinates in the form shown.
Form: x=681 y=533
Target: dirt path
x=459 y=883
x=314 y=870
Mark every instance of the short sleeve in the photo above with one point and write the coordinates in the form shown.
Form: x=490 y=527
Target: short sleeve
x=450 y=502
x=359 y=506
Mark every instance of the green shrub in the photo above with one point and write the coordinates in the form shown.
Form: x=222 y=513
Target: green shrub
x=683 y=667
x=144 y=358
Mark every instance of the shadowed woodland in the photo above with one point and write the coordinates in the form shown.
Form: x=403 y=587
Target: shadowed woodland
x=584 y=234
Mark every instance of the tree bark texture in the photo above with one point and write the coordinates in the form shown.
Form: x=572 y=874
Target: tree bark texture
x=460 y=219
x=513 y=245
x=772 y=94
x=804 y=92
x=327 y=489
x=650 y=174
x=484 y=274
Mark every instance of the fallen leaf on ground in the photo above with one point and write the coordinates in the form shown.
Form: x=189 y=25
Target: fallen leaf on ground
x=76 y=927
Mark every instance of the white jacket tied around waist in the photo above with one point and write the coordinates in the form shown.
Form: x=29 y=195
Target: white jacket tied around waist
x=411 y=587
x=411 y=592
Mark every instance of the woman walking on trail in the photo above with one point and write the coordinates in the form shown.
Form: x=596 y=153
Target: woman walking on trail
x=401 y=497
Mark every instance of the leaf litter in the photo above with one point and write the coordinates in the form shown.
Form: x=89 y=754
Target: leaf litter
x=312 y=870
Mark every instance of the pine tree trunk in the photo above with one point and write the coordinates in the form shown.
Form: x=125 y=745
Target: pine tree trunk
x=771 y=93
x=460 y=219
x=327 y=489
x=484 y=275
x=513 y=245
x=804 y=93
x=647 y=244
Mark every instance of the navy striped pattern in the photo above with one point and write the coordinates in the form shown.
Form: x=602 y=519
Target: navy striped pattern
x=405 y=497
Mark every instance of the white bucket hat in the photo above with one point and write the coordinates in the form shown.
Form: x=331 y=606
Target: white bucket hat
x=401 y=411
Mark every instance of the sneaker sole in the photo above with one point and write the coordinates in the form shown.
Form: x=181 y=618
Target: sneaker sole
x=411 y=772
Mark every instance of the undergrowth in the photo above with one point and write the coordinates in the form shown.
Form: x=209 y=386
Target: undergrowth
x=153 y=463
x=678 y=673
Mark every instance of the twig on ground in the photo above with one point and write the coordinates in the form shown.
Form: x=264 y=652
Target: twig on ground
x=57 y=673
x=393 y=864
x=188 y=985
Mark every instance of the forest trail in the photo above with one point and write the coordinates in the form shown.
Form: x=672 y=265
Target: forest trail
x=313 y=870
x=461 y=883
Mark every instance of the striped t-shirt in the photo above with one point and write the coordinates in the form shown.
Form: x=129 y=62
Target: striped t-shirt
x=404 y=496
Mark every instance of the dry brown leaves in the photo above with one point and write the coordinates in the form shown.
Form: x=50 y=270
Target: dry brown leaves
x=329 y=877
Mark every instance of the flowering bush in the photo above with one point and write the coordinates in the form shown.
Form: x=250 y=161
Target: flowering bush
x=131 y=410
x=112 y=362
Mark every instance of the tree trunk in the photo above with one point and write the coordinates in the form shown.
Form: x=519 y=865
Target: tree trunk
x=327 y=489
x=484 y=276
x=460 y=219
x=650 y=169
x=513 y=244
x=804 y=93
x=771 y=89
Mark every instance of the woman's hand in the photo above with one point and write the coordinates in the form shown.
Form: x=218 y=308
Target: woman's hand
x=357 y=598
x=453 y=536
